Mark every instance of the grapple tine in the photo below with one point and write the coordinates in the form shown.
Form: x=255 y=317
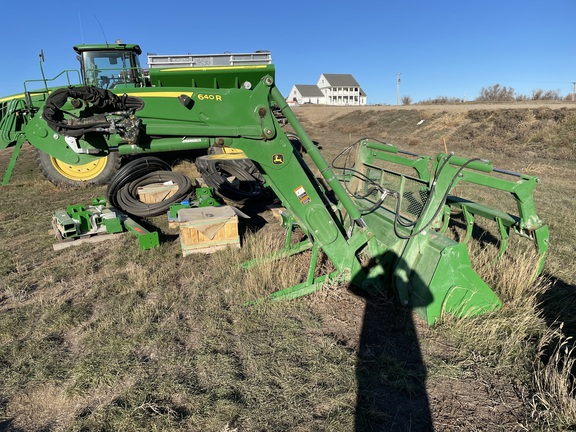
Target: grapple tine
x=526 y=224
x=504 y=236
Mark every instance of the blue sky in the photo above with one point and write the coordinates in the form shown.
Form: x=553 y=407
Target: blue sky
x=444 y=48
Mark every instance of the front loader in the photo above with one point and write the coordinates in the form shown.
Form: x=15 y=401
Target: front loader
x=381 y=217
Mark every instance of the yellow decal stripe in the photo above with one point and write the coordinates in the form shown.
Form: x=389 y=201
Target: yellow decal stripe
x=22 y=95
x=9 y=98
x=159 y=94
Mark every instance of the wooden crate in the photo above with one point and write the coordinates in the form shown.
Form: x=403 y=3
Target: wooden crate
x=207 y=229
x=155 y=193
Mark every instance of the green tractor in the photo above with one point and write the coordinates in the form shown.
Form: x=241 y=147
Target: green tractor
x=98 y=65
x=382 y=220
x=111 y=70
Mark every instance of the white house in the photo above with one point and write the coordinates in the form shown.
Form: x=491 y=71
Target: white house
x=306 y=93
x=341 y=89
x=331 y=89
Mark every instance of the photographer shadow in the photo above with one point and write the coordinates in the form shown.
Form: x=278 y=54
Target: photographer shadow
x=391 y=373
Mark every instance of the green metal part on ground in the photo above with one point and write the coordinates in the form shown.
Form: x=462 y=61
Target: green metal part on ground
x=79 y=221
x=383 y=222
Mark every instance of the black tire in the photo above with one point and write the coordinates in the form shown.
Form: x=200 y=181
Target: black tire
x=99 y=172
x=215 y=173
x=236 y=157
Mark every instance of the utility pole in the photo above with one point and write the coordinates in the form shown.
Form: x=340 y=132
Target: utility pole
x=573 y=90
x=398 y=88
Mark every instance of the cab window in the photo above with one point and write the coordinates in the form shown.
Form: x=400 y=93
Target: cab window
x=107 y=69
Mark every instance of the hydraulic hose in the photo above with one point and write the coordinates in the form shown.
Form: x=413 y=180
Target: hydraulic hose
x=128 y=200
x=102 y=99
x=132 y=171
x=123 y=189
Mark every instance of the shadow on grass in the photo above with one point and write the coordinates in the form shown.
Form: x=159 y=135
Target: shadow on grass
x=390 y=372
x=8 y=426
x=557 y=305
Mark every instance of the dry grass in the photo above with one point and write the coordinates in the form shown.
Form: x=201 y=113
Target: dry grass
x=118 y=339
x=516 y=341
x=554 y=403
x=112 y=338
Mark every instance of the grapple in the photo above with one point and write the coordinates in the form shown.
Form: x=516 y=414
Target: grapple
x=410 y=202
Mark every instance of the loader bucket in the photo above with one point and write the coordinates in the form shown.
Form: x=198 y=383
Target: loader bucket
x=410 y=203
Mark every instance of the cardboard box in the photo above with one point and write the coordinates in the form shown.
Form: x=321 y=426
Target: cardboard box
x=157 y=192
x=207 y=229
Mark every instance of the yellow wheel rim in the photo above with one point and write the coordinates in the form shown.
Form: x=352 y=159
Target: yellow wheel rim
x=231 y=150
x=85 y=172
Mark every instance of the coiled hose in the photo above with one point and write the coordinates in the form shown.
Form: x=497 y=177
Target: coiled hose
x=122 y=190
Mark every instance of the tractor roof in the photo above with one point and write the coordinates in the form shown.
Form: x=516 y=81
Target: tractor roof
x=102 y=47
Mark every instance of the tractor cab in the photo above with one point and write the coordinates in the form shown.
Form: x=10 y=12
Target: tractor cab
x=111 y=66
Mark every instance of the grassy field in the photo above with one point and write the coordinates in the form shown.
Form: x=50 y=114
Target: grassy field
x=108 y=337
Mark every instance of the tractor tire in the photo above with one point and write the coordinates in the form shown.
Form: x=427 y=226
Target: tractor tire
x=247 y=180
x=237 y=157
x=98 y=172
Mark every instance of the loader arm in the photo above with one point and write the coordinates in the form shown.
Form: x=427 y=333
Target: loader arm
x=294 y=183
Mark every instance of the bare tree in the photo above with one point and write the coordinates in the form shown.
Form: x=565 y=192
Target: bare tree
x=540 y=94
x=496 y=92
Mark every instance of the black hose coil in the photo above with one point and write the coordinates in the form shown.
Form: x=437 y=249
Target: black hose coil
x=131 y=171
x=128 y=199
x=122 y=190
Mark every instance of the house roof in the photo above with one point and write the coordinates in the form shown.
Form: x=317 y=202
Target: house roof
x=307 y=90
x=341 y=80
